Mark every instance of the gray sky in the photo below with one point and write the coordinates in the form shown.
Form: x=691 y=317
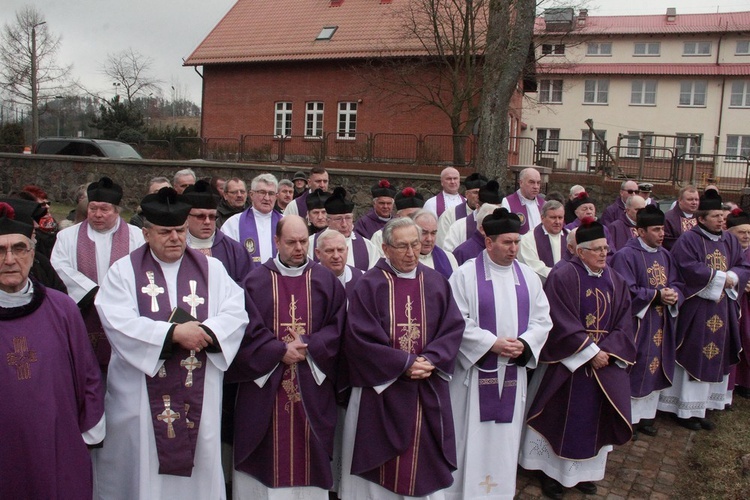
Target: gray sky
x=169 y=30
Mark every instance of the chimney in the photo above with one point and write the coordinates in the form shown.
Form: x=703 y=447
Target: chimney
x=582 y=15
x=671 y=14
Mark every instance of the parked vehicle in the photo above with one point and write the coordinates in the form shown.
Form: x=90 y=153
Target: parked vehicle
x=79 y=146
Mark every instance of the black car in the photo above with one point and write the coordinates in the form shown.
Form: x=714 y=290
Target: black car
x=78 y=146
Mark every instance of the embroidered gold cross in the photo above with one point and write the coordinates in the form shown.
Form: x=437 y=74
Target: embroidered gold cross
x=488 y=484
x=152 y=290
x=717 y=260
x=594 y=320
x=654 y=365
x=658 y=337
x=21 y=358
x=711 y=350
x=296 y=326
x=410 y=328
x=714 y=323
x=190 y=363
x=193 y=300
x=168 y=416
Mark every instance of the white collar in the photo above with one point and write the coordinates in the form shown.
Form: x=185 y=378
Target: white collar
x=198 y=243
x=710 y=236
x=592 y=273
x=260 y=215
x=646 y=247
x=19 y=298
x=410 y=275
x=289 y=272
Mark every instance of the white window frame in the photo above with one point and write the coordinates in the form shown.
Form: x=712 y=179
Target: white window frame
x=696 y=49
x=346 y=129
x=650 y=49
x=742 y=48
x=282 y=119
x=555 y=49
x=587 y=136
x=551 y=140
x=695 y=96
x=599 y=49
x=314 y=119
x=740 y=96
x=688 y=144
x=549 y=90
x=596 y=91
x=643 y=92
x=634 y=144
x=736 y=146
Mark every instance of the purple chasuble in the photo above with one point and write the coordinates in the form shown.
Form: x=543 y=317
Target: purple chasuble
x=615 y=211
x=518 y=208
x=441 y=262
x=494 y=405
x=646 y=272
x=544 y=247
x=675 y=224
x=470 y=248
x=249 y=233
x=440 y=203
x=86 y=261
x=233 y=255
x=708 y=340
x=405 y=437
x=360 y=255
x=578 y=413
x=622 y=231
x=369 y=224
x=52 y=391
x=176 y=392
x=284 y=430
x=743 y=368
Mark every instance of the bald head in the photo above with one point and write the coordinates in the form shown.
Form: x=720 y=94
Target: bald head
x=450 y=180
x=292 y=240
x=628 y=189
x=633 y=205
x=529 y=183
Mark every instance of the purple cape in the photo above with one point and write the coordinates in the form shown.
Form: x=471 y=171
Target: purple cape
x=388 y=421
x=368 y=224
x=470 y=248
x=261 y=352
x=580 y=412
x=615 y=211
x=233 y=255
x=52 y=391
x=708 y=332
x=674 y=225
x=645 y=273
x=621 y=232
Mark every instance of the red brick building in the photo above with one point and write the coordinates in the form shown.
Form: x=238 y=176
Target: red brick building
x=304 y=70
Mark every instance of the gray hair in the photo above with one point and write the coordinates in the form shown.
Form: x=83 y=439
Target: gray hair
x=161 y=180
x=526 y=172
x=551 y=205
x=286 y=182
x=269 y=179
x=629 y=202
x=571 y=238
x=398 y=223
x=183 y=173
x=484 y=211
x=327 y=234
x=422 y=213
x=575 y=189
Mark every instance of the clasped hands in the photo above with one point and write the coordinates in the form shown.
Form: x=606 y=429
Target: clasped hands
x=191 y=336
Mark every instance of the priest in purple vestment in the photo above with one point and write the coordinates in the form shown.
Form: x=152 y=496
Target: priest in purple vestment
x=656 y=291
x=50 y=383
x=738 y=224
x=381 y=212
x=474 y=245
x=402 y=338
x=716 y=276
x=448 y=197
x=580 y=396
x=543 y=247
x=317 y=178
x=681 y=218
x=316 y=211
x=624 y=229
x=616 y=211
x=526 y=202
x=430 y=254
x=285 y=412
x=331 y=251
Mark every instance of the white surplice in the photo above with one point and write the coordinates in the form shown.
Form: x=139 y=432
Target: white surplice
x=127 y=467
x=487 y=451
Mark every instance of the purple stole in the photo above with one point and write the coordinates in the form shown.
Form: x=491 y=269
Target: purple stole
x=461 y=211
x=492 y=404
x=544 y=247
x=301 y=202
x=86 y=260
x=518 y=208
x=441 y=262
x=469 y=248
x=176 y=392
x=249 y=233
x=471 y=223
x=440 y=203
x=360 y=255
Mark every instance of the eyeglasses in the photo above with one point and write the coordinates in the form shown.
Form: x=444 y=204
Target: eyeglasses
x=633 y=191
x=203 y=217
x=404 y=247
x=603 y=249
x=19 y=250
x=263 y=194
x=342 y=218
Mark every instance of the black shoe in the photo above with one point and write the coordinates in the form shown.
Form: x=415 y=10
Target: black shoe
x=706 y=424
x=551 y=488
x=690 y=423
x=648 y=430
x=586 y=487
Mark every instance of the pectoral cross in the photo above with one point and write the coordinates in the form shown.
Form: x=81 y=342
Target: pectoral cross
x=152 y=290
x=296 y=327
x=410 y=328
x=168 y=416
x=190 y=363
x=193 y=300
x=21 y=358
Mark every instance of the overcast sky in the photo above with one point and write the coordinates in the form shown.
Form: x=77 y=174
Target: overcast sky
x=169 y=30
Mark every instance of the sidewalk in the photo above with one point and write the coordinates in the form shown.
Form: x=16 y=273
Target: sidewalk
x=646 y=468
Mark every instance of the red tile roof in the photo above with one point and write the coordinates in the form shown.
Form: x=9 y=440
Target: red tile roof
x=285 y=30
x=658 y=24
x=645 y=69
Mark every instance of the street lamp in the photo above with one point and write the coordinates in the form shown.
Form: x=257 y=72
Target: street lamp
x=34 y=89
x=116 y=85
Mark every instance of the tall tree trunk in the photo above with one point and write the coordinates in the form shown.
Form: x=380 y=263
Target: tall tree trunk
x=509 y=36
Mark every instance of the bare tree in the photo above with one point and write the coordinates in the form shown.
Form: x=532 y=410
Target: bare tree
x=28 y=64
x=130 y=71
